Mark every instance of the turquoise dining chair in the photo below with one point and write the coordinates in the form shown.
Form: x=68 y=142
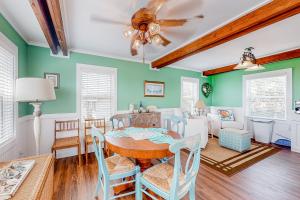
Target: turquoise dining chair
x=171 y=182
x=114 y=168
x=120 y=121
x=176 y=123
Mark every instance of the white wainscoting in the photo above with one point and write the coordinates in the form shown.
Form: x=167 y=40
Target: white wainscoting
x=26 y=144
x=18 y=146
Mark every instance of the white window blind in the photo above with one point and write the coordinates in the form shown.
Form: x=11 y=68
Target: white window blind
x=97 y=92
x=8 y=56
x=267 y=96
x=189 y=93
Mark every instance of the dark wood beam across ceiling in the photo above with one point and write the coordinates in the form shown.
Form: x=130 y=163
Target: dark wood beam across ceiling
x=41 y=15
x=48 y=14
x=264 y=60
x=55 y=13
x=266 y=15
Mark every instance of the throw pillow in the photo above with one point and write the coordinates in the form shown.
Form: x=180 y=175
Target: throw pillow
x=226 y=115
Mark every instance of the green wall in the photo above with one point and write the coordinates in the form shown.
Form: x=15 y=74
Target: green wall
x=228 y=86
x=10 y=33
x=131 y=76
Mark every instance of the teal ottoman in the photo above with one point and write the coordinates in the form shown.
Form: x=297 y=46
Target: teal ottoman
x=235 y=139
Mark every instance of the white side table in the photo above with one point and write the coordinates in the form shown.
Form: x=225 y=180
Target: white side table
x=198 y=125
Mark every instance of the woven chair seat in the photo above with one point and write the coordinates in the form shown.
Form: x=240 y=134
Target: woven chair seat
x=118 y=164
x=65 y=142
x=161 y=176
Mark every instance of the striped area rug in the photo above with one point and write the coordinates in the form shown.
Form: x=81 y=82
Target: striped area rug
x=230 y=162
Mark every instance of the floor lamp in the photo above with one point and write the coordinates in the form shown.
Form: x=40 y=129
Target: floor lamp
x=35 y=91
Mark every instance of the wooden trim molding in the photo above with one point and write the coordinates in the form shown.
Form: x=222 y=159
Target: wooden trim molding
x=40 y=12
x=266 y=15
x=55 y=12
x=264 y=60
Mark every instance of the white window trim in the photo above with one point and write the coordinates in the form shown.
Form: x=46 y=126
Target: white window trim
x=11 y=47
x=289 y=95
x=181 y=89
x=98 y=69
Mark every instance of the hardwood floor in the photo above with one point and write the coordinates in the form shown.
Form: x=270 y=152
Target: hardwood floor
x=275 y=178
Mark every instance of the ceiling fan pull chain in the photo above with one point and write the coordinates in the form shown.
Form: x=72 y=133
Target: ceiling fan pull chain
x=143 y=54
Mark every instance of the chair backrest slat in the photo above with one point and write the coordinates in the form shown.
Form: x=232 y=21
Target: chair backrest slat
x=175 y=123
x=120 y=121
x=66 y=126
x=98 y=148
x=98 y=123
x=192 y=145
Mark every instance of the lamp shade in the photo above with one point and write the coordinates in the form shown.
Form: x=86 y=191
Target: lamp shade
x=200 y=104
x=256 y=68
x=244 y=65
x=34 y=89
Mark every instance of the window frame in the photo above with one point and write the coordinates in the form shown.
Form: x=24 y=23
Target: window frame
x=8 y=45
x=97 y=69
x=183 y=78
x=289 y=90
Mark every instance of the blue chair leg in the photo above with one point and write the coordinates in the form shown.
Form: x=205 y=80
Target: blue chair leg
x=138 y=187
x=106 y=190
x=192 y=191
x=98 y=186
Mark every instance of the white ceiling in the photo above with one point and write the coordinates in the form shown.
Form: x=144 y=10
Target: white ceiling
x=86 y=35
x=278 y=37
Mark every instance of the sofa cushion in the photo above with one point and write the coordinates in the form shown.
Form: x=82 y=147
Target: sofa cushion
x=232 y=124
x=226 y=115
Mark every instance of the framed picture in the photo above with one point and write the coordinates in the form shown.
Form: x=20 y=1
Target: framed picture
x=54 y=78
x=154 y=89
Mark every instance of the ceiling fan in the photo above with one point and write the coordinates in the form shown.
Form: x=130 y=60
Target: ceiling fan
x=145 y=28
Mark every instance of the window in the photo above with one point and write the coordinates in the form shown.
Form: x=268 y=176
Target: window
x=97 y=91
x=189 y=93
x=268 y=95
x=8 y=67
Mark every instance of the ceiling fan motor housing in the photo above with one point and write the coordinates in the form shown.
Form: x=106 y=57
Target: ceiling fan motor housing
x=142 y=18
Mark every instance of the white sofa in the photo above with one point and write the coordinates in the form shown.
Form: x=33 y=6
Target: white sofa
x=215 y=123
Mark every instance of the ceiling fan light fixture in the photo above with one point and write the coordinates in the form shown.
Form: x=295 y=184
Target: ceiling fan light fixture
x=157 y=39
x=154 y=28
x=137 y=44
x=128 y=32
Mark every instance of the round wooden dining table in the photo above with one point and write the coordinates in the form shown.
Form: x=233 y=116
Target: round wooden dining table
x=142 y=150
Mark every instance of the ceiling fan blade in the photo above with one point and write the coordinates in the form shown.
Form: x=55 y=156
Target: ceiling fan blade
x=177 y=22
x=108 y=21
x=133 y=49
x=171 y=22
x=155 y=5
x=165 y=41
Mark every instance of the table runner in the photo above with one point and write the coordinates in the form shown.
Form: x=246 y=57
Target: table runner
x=155 y=135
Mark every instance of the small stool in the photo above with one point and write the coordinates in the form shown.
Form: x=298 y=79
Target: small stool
x=235 y=139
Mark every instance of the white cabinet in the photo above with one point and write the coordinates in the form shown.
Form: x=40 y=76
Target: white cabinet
x=295 y=134
x=295 y=139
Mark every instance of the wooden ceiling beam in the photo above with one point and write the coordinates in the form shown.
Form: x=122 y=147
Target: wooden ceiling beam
x=40 y=12
x=268 y=14
x=264 y=60
x=55 y=12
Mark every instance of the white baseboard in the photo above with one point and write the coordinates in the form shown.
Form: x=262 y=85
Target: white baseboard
x=297 y=150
